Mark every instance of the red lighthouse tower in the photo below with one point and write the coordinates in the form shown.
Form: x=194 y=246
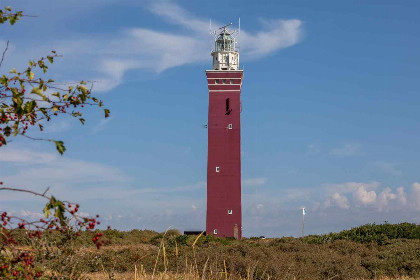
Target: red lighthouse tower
x=224 y=213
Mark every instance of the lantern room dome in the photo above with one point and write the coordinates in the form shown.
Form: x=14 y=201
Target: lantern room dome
x=225 y=42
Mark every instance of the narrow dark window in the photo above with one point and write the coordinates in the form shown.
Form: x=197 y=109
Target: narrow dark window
x=228 y=110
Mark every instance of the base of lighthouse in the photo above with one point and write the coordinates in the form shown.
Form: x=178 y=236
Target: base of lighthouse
x=224 y=211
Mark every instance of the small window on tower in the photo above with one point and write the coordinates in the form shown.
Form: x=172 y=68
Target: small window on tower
x=228 y=110
x=217 y=81
x=215 y=231
x=224 y=81
x=230 y=211
x=217 y=169
x=230 y=126
x=231 y=81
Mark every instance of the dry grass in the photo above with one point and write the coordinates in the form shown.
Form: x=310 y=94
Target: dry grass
x=191 y=276
x=151 y=255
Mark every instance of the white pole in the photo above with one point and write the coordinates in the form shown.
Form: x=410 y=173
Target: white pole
x=303 y=222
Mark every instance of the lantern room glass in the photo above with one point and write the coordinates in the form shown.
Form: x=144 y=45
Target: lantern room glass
x=225 y=43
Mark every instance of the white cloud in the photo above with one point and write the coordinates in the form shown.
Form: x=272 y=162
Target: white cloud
x=350 y=187
x=384 y=198
x=37 y=171
x=415 y=196
x=31 y=215
x=401 y=196
x=254 y=182
x=338 y=200
x=106 y=58
x=278 y=34
x=370 y=194
x=349 y=149
x=364 y=197
x=12 y=154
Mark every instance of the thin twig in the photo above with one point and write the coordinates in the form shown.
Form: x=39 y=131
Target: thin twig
x=37 y=139
x=4 y=52
x=46 y=191
x=23 y=190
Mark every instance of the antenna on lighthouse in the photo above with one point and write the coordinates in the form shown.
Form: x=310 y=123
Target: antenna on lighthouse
x=224 y=27
x=239 y=33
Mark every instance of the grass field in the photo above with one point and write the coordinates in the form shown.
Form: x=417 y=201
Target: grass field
x=367 y=252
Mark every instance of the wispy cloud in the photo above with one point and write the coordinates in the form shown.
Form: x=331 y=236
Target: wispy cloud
x=254 y=182
x=337 y=199
x=101 y=124
x=39 y=170
x=389 y=168
x=12 y=154
x=349 y=149
x=105 y=59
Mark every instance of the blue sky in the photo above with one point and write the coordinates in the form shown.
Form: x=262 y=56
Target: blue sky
x=330 y=116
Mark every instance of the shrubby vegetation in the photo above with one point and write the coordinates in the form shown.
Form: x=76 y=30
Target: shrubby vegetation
x=345 y=255
x=370 y=233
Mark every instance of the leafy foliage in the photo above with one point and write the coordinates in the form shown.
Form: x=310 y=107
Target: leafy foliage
x=30 y=100
x=370 y=233
x=6 y=14
x=26 y=101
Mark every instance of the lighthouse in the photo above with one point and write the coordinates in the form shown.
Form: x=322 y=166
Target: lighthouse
x=224 y=212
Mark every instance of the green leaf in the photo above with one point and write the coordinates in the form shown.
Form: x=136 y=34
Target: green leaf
x=29 y=106
x=50 y=59
x=37 y=91
x=83 y=89
x=47 y=211
x=82 y=120
x=13 y=71
x=106 y=113
x=60 y=146
x=7 y=130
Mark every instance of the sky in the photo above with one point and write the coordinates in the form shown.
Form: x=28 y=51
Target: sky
x=330 y=119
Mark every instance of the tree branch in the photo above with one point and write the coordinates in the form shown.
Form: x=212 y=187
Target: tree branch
x=27 y=191
x=4 y=52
